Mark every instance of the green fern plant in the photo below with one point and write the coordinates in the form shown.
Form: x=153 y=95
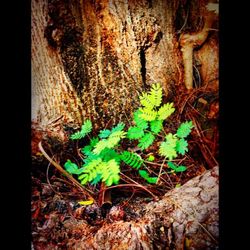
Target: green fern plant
x=148 y=119
x=103 y=155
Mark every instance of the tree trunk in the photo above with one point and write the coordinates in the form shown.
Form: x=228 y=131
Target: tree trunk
x=90 y=59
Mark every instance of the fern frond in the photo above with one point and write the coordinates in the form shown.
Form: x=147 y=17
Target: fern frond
x=87 y=150
x=168 y=147
x=91 y=170
x=184 y=129
x=119 y=127
x=146 y=141
x=85 y=129
x=156 y=95
x=147 y=101
x=156 y=126
x=148 y=114
x=182 y=146
x=100 y=146
x=171 y=139
x=110 y=173
x=131 y=159
x=176 y=168
x=110 y=142
x=104 y=133
x=140 y=122
x=165 y=111
x=144 y=174
x=115 y=137
x=108 y=154
x=71 y=167
x=135 y=133
x=167 y=150
x=94 y=141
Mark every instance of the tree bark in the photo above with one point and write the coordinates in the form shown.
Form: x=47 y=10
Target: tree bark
x=185 y=218
x=90 y=59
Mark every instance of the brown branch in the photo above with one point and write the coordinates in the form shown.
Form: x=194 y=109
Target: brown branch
x=60 y=169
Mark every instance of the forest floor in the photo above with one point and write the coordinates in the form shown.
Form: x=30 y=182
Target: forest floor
x=57 y=216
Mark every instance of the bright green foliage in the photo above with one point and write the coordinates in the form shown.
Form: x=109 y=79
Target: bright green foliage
x=103 y=155
x=70 y=167
x=119 y=127
x=148 y=114
x=104 y=133
x=167 y=150
x=85 y=129
x=146 y=141
x=140 y=123
x=94 y=141
x=153 y=99
x=110 y=173
x=182 y=146
x=97 y=169
x=110 y=142
x=156 y=126
x=151 y=158
x=184 y=129
x=144 y=175
x=109 y=154
x=135 y=133
x=131 y=159
x=87 y=150
x=176 y=168
x=165 y=111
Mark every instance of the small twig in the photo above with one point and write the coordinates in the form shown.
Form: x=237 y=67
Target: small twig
x=48 y=181
x=60 y=169
x=160 y=170
x=139 y=185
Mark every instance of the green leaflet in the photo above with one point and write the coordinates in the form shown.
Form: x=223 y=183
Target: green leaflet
x=131 y=159
x=109 y=154
x=156 y=94
x=168 y=147
x=176 y=168
x=181 y=146
x=110 y=174
x=144 y=175
x=104 y=133
x=184 y=129
x=156 y=126
x=119 y=127
x=110 y=142
x=140 y=122
x=91 y=170
x=167 y=150
x=97 y=170
x=146 y=141
x=148 y=114
x=165 y=111
x=94 y=141
x=71 y=167
x=87 y=150
x=85 y=129
x=135 y=133
x=153 y=99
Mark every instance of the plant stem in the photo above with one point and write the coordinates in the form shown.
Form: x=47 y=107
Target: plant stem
x=160 y=170
x=64 y=172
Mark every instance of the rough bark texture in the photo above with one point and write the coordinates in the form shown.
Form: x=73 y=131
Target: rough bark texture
x=186 y=218
x=91 y=58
